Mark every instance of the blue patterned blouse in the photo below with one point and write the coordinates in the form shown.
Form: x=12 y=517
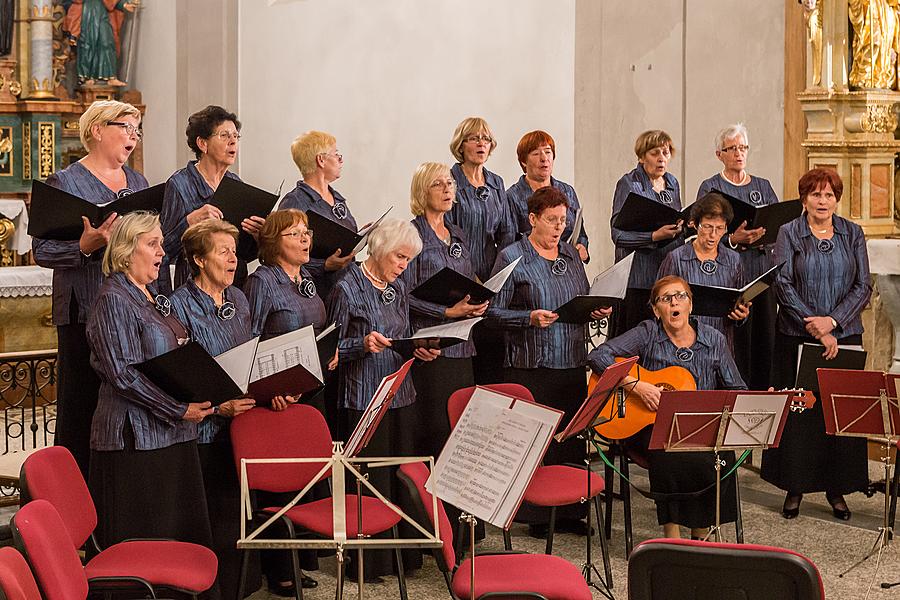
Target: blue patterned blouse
x=74 y=273
x=539 y=283
x=518 y=195
x=822 y=277
x=484 y=216
x=278 y=305
x=360 y=309
x=649 y=254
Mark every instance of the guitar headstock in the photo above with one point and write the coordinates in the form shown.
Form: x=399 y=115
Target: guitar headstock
x=801 y=400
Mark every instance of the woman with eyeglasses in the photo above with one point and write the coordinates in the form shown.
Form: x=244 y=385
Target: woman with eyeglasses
x=213 y=134
x=651 y=179
x=544 y=355
x=315 y=154
x=822 y=289
x=753 y=341
x=110 y=131
x=705 y=262
x=674 y=338
x=482 y=213
x=536 y=153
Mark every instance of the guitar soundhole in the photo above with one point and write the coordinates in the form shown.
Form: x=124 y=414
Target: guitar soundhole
x=666 y=387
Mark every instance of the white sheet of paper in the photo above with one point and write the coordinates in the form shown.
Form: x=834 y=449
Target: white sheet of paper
x=576 y=229
x=286 y=351
x=755 y=287
x=326 y=331
x=495 y=283
x=759 y=427
x=454 y=329
x=365 y=231
x=238 y=361
x=614 y=281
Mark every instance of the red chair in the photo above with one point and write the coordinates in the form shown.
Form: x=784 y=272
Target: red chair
x=300 y=431
x=52 y=474
x=497 y=575
x=16 y=580
x=552 y=485
x=670 y=569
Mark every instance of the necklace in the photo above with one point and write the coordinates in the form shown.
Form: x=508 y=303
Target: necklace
x=745 y=179
x=379 y=283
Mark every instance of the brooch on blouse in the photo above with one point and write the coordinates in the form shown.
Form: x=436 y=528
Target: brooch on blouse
x=559 y=266
x=388 y=295
x=455 y=250
x=306 y=287
x=125 y=191
x=665 y=197
x=227 y=311
x=339 y=210
x=755 y=197
x=684 y=354
x=163 y=305
x=709 y=267
x=483 y=193
x=825 y=246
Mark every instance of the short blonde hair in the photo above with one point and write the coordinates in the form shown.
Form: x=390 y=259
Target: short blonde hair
x=466 y=128
x=269 y=241
x=100 y=113
x=426 y=174
x=307 y=147
x=197 y=240
x=649 y=140
x=124 y=238
x=393 y=234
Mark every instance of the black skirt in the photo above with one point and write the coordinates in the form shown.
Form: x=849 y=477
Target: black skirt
x=435 y=381
x=754 y=342
x=490 y=354
x=631 y=311
x=809 y=460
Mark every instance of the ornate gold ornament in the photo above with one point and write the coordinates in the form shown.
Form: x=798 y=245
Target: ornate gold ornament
x=26 y=150
x=879 y=118
x=46 y=150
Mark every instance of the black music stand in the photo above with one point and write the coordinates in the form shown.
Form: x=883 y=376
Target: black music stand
x=582 y=425
x=720 y=420
x=865 y=404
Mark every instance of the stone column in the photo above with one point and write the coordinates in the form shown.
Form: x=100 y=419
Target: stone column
x=41 y=59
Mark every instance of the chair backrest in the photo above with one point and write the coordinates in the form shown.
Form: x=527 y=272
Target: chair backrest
x=665 y=569
x=52 y=474
x=39 y=533
x=16 y=580
x=414 y=475
x=459 y=399
x=299 y=431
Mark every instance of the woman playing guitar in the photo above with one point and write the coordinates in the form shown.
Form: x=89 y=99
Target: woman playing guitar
x=675 y=339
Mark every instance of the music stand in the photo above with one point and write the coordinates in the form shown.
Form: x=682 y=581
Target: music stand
x=865 y=404
x=582 y=425
x=719 y=420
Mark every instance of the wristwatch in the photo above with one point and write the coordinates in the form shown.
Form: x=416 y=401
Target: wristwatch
x=833 y=323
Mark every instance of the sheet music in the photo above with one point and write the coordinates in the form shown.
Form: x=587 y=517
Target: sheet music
x=286 y=351
x=576 y=229
x=614 y=281
x=460 y=330
x=365 y=231
x=238 y=361
x=758 y=428
x=496 y=283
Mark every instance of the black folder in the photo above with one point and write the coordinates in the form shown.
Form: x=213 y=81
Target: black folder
x=716 y=301
x=406 y=346
x=810 y=359
x=770 y=216
x=238 y=201
x=56 y=215
x=327 y=346
x=578 y=310
x=328 y=236
x=189 y=374
x=294 y=381
x=447 y=287
x=640 y=213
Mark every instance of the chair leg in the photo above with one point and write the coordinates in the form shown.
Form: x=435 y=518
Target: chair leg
x=739 y=519
x=626 y=501
x=242 y=578
x=401 y=575
x=507 y=540
x=550 y=530
x=609 y=477
x=604 y=546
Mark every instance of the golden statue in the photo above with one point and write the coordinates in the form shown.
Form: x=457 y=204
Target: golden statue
x=813 y=15
x=875 y=43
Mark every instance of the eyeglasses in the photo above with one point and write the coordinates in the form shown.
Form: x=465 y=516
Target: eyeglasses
x=335 y=154
x=227 y=136
x=479 y=137
x=130 y=129
x=707 y=228
x=306 y=233
x=554 y=221
x=445 y=184
x=743 y=149
x=668 y=298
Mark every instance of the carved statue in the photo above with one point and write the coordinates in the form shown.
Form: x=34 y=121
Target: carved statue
x=813 y=15
x=875 y=43
x=93 y=27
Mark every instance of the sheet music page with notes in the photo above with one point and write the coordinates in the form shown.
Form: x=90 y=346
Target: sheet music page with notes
x=285 y=351
x=760 y=426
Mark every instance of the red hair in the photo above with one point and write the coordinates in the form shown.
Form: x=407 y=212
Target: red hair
x=815 y=179
x=530 y=142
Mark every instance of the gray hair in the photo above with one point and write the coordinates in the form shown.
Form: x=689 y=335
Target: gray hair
x=730 y=132
x=393 y=234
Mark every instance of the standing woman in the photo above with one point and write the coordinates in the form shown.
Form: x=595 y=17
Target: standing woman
x=110 y=131
x=145 y=472
x=546 y=357
x=537 y=152
x=213 y=134
x=316 y=155
x=482 y=213
x=753 y=342
x=443 y=245
x=823 y=288
x=652 y=180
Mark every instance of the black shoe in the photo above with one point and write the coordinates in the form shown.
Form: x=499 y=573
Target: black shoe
x=289 y=591
x=839 y=507
x=791 y=507
x=574 y=526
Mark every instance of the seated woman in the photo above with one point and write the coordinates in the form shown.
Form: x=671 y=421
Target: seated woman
x=145 y=472
x=705 y=262
x=675 y=338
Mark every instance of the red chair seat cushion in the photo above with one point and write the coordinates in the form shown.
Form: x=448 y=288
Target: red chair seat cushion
x=558 y=485
x=317 y=516
x=550 y=576
x=171 y=564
